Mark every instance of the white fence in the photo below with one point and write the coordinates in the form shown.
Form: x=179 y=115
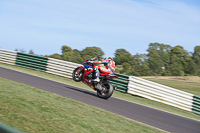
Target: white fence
x=8 y=57
x=60 y=67
x=160 y=93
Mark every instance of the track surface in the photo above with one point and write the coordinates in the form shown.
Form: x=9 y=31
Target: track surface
x=156 y=118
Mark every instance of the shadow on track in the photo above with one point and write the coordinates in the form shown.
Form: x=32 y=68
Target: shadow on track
x=82 y=90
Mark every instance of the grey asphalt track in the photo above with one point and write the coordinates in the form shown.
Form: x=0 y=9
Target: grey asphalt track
x=153 y=117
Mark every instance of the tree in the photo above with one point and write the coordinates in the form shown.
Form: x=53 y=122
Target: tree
x=66 y=53
x=121 y=56
x=126 y=68
x=141 y=64
x=159 y=57
x=179 y=52
x=182 y=57
x=31 y=52
x=76 y=57
x=175 y=68
x=196 y=59
x=196 y=55
x=164 y=52
x=91 y=52
x=154 y=60
x=56 y=56
x=65 y=49
x=193 y=68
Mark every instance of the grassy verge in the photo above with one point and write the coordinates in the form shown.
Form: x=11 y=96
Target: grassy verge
x=117 y=94
x=32 y=110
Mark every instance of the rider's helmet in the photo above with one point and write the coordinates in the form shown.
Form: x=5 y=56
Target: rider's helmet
x=108 y=58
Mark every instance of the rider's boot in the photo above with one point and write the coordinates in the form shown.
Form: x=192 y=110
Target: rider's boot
x=98 y=86
x=96 y=79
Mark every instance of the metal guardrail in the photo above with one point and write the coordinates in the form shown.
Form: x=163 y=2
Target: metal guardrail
x=60 y=67
x=31 y=61
x=7 y=56
x=160 y=93
x=196 y=104
x=127 y=84
x=7 y=129
x=121 y=82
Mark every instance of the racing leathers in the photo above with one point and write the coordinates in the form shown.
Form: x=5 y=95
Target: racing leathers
x=110 y=69
x=109 y=64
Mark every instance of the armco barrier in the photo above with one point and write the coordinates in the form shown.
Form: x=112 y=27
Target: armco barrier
x=127 y=84
x=31 y=61
x=121 y=82
x=160 y=93
x=60 y=67
x=7 y=129
x=8 y=57
x=196 y=104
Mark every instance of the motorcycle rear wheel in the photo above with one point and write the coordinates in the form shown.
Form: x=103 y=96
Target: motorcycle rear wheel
x=107 y=92
x=77 y=76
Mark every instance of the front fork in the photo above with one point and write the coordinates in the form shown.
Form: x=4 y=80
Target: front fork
x=80 y=69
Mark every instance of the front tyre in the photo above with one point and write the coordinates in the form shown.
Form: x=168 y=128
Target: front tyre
x=107 y=90
x=77 y=76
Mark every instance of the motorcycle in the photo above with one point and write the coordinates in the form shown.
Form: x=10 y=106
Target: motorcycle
x=84 y=73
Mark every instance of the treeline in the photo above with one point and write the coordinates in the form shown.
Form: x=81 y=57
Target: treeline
x=161 y=60
x=79 y=56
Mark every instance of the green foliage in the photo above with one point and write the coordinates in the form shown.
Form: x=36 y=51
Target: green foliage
x=158 y=57
x=23 y=51
x=56 y=56
x=121 y=56
x=161 y=59
x=126 y=65
x=196 y=55
x=91 y=52
x=20 y=50
x=155 y=62
x=193 y=68
x=74 y=55
x=66 y=49
x=31 y=52
x=175 y=67
x=196 y=59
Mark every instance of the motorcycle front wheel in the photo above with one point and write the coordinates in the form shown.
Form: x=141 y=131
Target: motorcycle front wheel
x=77 y=76
x=107 y=90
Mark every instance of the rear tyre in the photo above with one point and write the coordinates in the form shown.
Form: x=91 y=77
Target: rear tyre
x=107 y=91
x=77 y=76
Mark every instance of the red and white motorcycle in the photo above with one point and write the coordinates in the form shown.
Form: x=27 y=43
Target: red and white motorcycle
x=84 y=74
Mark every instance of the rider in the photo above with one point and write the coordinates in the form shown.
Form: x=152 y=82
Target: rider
x=110 y=69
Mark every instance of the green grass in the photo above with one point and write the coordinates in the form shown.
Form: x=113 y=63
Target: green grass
x=33 y=110
x=117 y=94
